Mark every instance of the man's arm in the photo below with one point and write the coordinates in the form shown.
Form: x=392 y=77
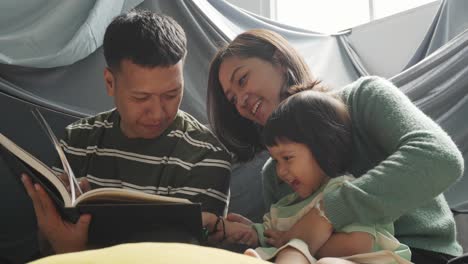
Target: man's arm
x=210 y=178
x=62 y=235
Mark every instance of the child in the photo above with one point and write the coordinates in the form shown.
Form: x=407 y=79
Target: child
x=309 y=137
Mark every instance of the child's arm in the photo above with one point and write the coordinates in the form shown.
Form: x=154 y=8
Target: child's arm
x=346 y=244
x=290 y=255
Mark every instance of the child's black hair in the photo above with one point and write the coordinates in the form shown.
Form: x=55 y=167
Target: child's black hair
x=319 y=120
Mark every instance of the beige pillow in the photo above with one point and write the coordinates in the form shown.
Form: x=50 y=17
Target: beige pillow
x=151 y=253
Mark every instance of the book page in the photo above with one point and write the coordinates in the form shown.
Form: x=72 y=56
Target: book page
x=37 y=169
x=125 y=195
x=63 y=158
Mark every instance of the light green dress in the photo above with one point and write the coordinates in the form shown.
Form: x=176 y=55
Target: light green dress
x=287 y=211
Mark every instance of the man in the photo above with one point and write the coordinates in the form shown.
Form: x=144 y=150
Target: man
x=146 y=143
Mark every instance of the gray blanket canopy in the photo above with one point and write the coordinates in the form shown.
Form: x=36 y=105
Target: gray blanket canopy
x=53 y=60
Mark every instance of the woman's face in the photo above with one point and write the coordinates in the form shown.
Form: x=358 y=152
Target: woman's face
x=252 y=85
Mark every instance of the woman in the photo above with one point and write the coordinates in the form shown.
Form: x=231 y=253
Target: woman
x=402 y=159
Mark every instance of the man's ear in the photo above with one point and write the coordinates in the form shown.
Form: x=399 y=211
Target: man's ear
x=109 y=80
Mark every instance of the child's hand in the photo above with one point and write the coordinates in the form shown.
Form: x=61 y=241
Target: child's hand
x=276 y=238
x=241 y=234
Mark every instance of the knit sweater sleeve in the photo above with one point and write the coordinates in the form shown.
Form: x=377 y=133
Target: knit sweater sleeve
x=421 y=159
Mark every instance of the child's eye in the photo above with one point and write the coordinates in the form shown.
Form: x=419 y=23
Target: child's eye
x=287 y=158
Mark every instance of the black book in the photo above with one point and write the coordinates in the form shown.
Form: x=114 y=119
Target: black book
x=118 y=215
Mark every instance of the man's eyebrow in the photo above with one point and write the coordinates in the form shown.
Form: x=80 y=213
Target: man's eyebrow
x=176 y=89
x=139 y=92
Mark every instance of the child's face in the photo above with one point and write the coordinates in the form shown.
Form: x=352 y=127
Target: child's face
x=296 y=165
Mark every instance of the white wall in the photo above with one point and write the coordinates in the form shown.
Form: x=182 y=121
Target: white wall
x=386 y=45
x=259 y=7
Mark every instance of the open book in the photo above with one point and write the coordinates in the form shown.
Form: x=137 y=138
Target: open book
x=54 y=185
x=44 y=175
x=138 y=209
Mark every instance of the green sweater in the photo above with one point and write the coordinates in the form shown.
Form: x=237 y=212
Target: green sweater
x=402 y=160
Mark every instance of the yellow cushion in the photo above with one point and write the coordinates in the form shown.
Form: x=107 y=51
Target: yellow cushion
x=159 y=253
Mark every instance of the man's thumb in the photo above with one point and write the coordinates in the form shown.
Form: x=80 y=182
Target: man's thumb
x=84 y=221
x=232 y=217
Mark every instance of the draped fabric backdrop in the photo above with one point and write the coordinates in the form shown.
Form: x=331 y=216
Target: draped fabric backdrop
x=51 y=57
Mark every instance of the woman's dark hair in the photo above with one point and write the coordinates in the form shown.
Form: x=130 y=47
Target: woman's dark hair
x=145 y=38
x=238 y=134
x=320 y=121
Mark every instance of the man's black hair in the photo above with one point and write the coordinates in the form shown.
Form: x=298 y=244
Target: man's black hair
x=145 y=38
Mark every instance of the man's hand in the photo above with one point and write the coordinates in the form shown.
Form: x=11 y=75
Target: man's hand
x=241 y=233
x=238 y=218
x=238 y=232
x=215 y=231
x=62 y=235
x=276 y=238
x=209 y=220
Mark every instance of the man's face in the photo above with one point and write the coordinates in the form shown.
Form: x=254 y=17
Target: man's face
x=147 y=98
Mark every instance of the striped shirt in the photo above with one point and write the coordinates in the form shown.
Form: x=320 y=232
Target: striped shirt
x=185 y=161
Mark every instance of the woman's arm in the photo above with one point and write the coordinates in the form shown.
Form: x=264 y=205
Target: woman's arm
x=405 y=157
